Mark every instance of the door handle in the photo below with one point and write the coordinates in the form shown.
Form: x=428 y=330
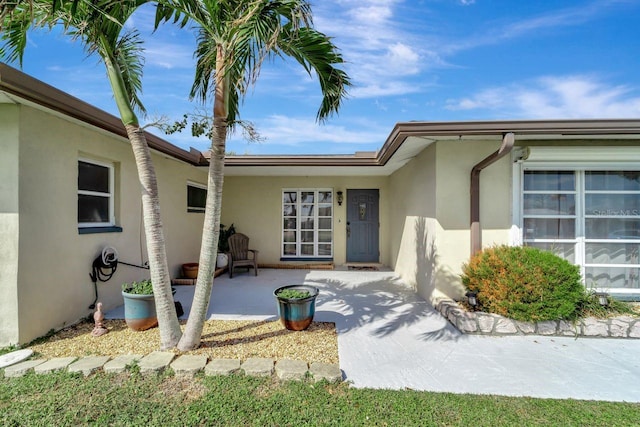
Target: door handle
x=348 y=229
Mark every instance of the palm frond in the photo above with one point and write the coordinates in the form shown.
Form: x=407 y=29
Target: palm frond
x=128 y=55
x=316 y=52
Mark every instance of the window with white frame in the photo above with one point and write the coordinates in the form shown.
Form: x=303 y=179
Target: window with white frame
x=307 y=223
x=196 y=197
x=95 y=194
x=591 y=217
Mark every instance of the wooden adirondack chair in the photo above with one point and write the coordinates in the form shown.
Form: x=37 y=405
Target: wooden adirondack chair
x=239 y=254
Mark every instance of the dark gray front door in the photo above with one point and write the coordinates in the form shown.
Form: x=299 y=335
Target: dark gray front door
x=362 y=226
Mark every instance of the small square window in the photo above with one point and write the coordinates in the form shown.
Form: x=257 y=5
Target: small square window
x=95 y=194
x=196 y=197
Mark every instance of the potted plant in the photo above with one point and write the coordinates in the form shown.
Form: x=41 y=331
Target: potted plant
x=139 y=305
x=296 y=305
x=223 y=245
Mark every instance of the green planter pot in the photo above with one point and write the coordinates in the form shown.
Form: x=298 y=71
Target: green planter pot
x=296 y=314
x=139 y=311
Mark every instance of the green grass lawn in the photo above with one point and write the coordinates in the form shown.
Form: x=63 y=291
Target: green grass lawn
x=134 y=400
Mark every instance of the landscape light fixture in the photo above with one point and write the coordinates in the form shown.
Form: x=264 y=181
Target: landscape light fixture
x=472 y=298
x=340 y=199
x=603 y=298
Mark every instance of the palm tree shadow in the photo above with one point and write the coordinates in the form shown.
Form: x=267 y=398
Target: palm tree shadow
x=384 y=301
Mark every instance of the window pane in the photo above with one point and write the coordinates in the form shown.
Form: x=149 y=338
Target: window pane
x=306 y=224
x=306 y=236
x=324 y=236
x=306 y=210
x=289 y=236
x=92 y=177
x=324 y=250
x=93 y=208
x=549 y=204
x=549 y=228
x=324 y=223
x=196 y=197
x=307 y=197
x=612 y=277
x=289 y=210
x=612 y=204
x=549 y=181
x=289 y=224
x=289 y=196
x=612 y=228
x=612 y=253
x=289 y=249
x=612 y=180
x=325 y=196
x=306 y=249
x=563 y=250
x=324 y=210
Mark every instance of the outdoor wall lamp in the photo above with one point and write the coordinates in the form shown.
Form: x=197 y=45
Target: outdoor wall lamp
x=472 y=298
x=603 y=298
x=340 y=199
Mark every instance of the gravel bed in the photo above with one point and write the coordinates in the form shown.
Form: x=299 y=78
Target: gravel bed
x=220 y=339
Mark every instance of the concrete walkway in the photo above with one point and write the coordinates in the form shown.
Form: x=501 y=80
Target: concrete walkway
x=390 y=338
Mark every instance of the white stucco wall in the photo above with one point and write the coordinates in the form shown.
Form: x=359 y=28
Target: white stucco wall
x=414 y=223
x=430 y=214
x=9 y=226
x=254 y=206
x=54 y=288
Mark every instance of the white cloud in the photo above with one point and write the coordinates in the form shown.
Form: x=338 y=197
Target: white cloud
x=283 y=130
x=496 y=32
x=556 y=97
x=381 y=54
x=169 y=55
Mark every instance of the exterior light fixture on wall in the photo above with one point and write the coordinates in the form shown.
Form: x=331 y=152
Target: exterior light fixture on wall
x=472 y=298
x=603 y=298
x=340 y=199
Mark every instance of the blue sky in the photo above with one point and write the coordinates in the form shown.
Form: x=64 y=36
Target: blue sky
x=430 y=60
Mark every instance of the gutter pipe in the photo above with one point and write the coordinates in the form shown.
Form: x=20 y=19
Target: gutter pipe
x=508 y=140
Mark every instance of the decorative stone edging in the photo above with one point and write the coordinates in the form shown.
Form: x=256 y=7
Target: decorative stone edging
x=481 y=323
x=158 y=361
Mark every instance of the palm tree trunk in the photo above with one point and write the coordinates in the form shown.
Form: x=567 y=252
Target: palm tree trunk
x=213 y=209
x=158 y=266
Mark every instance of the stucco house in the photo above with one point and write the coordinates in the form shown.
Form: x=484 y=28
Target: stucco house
x=430 y=196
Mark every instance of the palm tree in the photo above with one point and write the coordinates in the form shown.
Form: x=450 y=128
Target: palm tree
x=99 y=27
x=234 y=38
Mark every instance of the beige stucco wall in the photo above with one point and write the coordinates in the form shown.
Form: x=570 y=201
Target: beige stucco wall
x=54 y=288
x=9 y=226
x=430 y=214
x=254 y=206
x=414 y=223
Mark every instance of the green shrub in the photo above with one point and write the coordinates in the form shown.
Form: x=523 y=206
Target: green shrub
x=293 y=294
x=142 y=287
x=525 y=283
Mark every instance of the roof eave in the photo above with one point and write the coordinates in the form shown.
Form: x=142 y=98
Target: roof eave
x=23 y=86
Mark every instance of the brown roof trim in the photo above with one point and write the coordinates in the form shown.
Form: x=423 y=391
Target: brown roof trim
x=309 y=160
x=17 y=83
x=402 y=131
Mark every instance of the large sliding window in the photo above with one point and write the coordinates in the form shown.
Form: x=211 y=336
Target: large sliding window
x=307 y=223
x=589 y=217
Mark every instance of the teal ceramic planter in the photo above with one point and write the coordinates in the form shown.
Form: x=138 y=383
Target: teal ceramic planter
x=296 y=314
x=139 y=311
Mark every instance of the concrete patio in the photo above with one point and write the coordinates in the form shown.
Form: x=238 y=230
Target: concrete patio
x=390 y=338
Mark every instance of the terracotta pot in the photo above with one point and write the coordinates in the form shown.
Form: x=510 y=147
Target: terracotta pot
x=190 y=270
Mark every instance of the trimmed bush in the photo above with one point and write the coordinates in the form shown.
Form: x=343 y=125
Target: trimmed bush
x=525 y=283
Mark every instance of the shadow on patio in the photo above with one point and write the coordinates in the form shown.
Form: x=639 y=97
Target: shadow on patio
x=376 y=300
